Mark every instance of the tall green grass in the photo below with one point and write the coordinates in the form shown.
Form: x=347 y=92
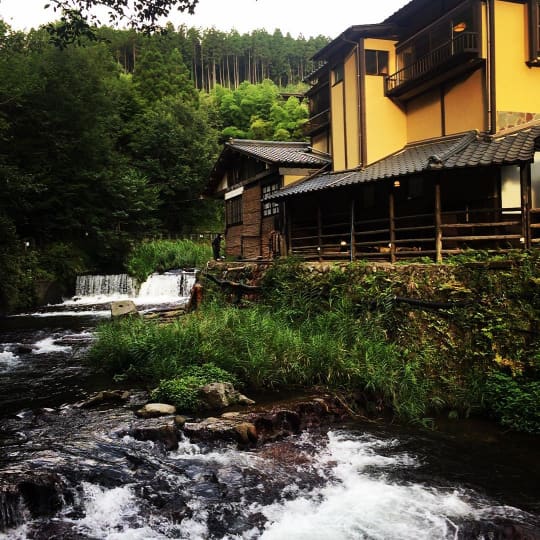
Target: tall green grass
x=161 y=255
x=265 y=350
x=342 y=328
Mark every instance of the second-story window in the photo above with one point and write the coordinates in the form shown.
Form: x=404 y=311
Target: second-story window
x=376 y=62
x=270 y=208
x=337 y=74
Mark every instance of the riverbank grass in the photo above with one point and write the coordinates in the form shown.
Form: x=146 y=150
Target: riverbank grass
x=161 y=255
x=415 y=339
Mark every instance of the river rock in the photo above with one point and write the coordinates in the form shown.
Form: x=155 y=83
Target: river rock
x=157 y=430
x=218 y=395
x=151 y=410
x=243 y=400
x=221 y=429
x=41 y=494
x=24 y=349
x=123 y=308
x=180 y=420
x=247 y=433
x=106 y=396
x=210 y=429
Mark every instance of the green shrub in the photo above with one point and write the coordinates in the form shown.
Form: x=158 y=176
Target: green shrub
x=515 y=401
x=182 y=392
x=162 y=255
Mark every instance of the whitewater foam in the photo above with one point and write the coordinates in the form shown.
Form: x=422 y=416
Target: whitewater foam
x=48 y=345
x=8 y=361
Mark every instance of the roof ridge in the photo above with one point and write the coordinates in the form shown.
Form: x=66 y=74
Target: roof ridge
x=515 y=129
x=436 y=160
x=255 y=142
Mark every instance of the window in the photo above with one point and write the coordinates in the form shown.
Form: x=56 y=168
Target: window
x=337 y=74
x=270 y=208
x=534 y=33
x=233 y=211
x=376 y=62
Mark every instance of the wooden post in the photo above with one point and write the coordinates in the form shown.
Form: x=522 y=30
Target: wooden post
x=288 y=226
x=352 y=248
x=392 y=224
x=525 y=181
x=438 y=222
x=319 y=230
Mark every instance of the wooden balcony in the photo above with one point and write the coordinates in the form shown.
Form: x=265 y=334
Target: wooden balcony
x=446 y=61
x=317 y=123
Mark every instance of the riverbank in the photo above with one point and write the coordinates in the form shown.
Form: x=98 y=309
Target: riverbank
x=419 y=339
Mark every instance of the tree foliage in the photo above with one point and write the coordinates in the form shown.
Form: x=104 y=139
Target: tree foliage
x=258 y=111
x=76 y=17
x=108 y=144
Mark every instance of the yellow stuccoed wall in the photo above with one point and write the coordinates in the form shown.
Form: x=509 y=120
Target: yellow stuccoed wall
x=424 y=119
x=386 y=122
x=518 y=86
x=465 y=104
x=290 y=178
x=322 y=143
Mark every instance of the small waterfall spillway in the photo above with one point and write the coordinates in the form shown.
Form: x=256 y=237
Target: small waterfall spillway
x=42 y=353
x=166 y=288
x=106 y=285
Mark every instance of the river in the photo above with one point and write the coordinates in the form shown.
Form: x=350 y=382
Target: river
x=73 y=473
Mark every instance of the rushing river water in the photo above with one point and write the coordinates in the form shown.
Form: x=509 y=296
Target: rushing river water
x=87 y=478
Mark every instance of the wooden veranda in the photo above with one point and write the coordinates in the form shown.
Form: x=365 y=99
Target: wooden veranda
x=430 y=216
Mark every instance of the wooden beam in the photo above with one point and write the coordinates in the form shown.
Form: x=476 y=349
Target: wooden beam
x=319 y=229
x=391 y=216
x=525 y=182
x=352 y=248
x=438 y=222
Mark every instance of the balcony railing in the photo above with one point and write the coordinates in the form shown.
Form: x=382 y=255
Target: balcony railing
x=467 y=43
x=317 y=122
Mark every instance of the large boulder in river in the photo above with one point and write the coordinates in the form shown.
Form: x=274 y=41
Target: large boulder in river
x=156 y=430
x=218 y=395
x=123 y=308
x=152 y=410
x=223 y=429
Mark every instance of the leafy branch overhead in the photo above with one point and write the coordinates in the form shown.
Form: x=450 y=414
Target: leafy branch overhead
x=78 y=16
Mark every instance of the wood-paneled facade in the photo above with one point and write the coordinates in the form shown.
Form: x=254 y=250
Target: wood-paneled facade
x=245 y=172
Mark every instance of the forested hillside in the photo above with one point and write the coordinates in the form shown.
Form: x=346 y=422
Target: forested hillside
x=112 y=142
x=226 y=58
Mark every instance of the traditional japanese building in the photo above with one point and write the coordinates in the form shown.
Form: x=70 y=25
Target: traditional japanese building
x=432 y=122
x=245 y=173
x=432 y=119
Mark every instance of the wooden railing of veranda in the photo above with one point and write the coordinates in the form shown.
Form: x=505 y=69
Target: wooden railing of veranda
x=417 y=235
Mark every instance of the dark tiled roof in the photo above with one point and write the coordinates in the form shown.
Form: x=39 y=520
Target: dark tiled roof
x=281 y=153
x=459 y=151
x=351 y=35
x=498 y=150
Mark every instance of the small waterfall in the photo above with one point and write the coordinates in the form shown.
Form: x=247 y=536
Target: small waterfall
x=105 y=285
x=173 y=286
x=170 y=286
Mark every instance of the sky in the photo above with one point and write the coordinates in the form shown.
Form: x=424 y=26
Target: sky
x=306 y=17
